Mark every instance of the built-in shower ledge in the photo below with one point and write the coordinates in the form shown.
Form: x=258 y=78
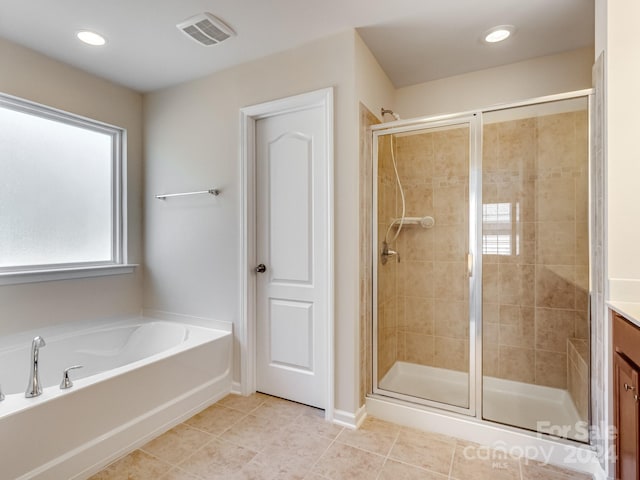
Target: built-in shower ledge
x=533 y=446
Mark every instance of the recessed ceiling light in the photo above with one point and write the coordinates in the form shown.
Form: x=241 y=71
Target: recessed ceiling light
x=498 y=34
x=91 y=38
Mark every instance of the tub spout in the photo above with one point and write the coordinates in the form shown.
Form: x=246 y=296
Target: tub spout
x=34 y=388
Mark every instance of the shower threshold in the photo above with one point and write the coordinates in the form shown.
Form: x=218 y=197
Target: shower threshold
x=523 y=405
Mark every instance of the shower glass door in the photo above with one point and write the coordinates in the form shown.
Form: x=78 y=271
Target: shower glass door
x=424 y=315
x=535 y=252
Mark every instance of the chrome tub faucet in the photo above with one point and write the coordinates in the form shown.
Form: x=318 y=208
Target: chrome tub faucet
x=34 y=388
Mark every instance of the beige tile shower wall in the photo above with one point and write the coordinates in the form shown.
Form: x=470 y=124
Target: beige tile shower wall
x=432 y=288
x=535 y=298
x=387 y=287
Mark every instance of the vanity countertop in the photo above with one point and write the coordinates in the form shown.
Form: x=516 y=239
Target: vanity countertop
x=629 y=310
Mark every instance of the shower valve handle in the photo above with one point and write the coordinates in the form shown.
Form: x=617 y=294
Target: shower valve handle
x=387 y=252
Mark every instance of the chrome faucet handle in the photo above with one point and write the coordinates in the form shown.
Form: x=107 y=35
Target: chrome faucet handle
x=66 y=381
x=1 y=394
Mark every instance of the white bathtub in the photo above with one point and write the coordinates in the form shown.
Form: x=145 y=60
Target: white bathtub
x=140 y=377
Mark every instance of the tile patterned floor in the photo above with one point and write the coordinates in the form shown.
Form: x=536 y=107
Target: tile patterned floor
x=267 y=438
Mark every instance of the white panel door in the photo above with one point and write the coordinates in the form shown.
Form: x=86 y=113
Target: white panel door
x=291 y=243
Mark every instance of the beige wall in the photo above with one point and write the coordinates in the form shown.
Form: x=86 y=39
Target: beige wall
x=537 y=77
x=617 y=39
x=374 y=90
x=34 y=77
x=192 y=142
x=623 y=156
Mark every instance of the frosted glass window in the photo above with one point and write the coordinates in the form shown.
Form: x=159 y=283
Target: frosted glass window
x=59 y=189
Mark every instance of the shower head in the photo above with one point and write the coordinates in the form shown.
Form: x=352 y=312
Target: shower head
x=384 y=111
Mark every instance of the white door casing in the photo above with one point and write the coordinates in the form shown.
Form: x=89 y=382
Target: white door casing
x=287 y=329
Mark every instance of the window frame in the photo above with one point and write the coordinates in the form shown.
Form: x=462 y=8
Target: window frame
x=119 y=241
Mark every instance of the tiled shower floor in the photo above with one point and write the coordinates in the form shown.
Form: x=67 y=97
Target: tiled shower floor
x=267 y=438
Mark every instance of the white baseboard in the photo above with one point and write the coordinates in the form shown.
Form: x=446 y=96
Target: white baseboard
x=348 y=419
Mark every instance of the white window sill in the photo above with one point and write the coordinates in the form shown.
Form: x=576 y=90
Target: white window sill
x=34 y=276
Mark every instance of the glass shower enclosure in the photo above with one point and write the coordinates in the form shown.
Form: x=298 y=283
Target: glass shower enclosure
x=481 y=264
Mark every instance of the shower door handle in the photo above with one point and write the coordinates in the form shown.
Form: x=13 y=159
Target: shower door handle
x=470 y=264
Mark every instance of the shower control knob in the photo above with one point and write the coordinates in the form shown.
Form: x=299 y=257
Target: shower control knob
x=261 y=268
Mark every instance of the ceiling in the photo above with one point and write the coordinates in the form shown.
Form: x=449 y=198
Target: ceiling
x=414 y=40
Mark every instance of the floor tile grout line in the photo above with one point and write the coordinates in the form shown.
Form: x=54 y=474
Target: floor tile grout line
x=244 y=412
x=387 y=456
x=256 y=452
x=197 y=429
x=520 y=468
x=382 y=468
x=413 y=465
x=239 y=410
x=322 y=455
x=201 y=447
x=453 y=457
x=193 y=475
x=361 y=449
x=237 y=444
x=253 y=449
x=155 y=457
x=395 y=440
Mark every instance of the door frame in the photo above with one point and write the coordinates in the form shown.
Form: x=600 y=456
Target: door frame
x=246 y=332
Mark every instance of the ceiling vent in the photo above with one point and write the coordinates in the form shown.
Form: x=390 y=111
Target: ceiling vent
x=206 y=29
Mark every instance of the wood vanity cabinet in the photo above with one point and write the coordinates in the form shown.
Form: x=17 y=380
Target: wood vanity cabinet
x=626 y=371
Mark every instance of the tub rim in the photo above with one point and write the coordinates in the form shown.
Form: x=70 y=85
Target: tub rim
x=16 y=402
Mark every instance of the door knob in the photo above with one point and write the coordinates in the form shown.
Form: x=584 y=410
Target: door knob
x=261 y=268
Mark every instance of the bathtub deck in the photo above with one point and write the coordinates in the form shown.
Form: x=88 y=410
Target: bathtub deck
x=266 y=438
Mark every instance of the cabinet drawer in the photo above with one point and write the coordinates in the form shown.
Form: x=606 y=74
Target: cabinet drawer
x=626 y=338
